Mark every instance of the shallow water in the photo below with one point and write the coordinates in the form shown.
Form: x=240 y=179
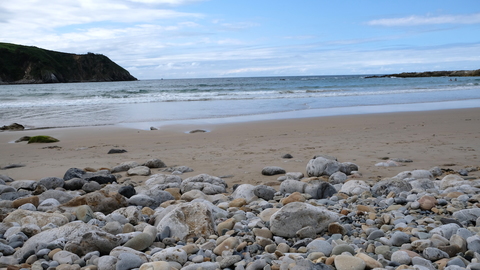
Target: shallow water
x=167 y=101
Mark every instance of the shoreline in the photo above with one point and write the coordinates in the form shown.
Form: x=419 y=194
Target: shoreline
x=445 y=138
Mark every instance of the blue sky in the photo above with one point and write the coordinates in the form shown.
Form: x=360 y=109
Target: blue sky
x=222 y=38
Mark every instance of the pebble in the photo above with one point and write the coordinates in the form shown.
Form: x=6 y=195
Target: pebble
x=86 y=220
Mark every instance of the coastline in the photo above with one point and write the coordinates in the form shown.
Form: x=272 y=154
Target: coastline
x=446 y=138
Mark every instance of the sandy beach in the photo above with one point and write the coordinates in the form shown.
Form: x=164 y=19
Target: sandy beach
x=449 y=139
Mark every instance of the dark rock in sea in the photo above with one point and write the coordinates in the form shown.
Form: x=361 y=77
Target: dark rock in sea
x=198 y=131
x=127 y=191
x=13 y=126
x=117 y=151
x=273 y=170
x=73 y=173
x=42 y=139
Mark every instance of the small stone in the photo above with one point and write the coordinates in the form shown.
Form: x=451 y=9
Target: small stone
x=427 y=202
x=336 y=228
x=272 y=170
x=294 y=197
x=345 y=262
x=401 y=257
x=117 y=151
x=337 y=250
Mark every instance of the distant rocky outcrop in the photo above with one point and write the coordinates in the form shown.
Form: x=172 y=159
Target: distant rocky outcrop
x=24 y=64
x=455 y=73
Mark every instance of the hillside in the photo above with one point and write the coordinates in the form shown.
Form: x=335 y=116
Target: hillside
x=455 y=73
x=24 y=64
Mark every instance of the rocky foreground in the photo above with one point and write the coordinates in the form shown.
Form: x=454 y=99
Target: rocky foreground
x=330 y=219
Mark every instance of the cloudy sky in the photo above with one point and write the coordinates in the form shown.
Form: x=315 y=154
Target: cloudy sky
x=237 y=38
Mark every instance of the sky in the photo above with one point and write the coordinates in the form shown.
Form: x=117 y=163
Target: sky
x=156 y=39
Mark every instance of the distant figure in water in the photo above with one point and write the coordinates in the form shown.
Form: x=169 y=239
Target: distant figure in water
x=455 y=79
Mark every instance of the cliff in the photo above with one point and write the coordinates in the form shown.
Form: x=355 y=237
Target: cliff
x=24 y=64
x=456 y=73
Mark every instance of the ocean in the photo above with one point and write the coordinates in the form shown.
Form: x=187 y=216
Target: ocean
x=146 y=103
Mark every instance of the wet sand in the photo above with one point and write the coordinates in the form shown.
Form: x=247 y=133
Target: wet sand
x=449 y=139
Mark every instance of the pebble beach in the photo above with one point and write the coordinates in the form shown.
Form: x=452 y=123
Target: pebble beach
x=351 y=192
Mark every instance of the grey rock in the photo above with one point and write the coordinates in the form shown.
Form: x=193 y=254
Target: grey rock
x=339 y=249
x=48 y=204
x=320 y=190
x=348 y=167
x=91 y=186
x=6 y=189
x=107 y=262
x=6 y=250
x=322 y=166
x=74 y=184
x=318 y=245
x=399 y=238
x=154 y=163
x=273 y=170
x=116 y=151
x=141 y=200
x=6 y=178
x=140 y=170
x=194 y=219
x=159 y=196
x=209 y=185
x=386 y=186
x=264 y=192
x=125 y=166
x=58 y=195
x=375 y=235
x=446 y=230
x=337 y=178
x=127 y=261
x=401 y=257
x=355 y=187
x=24 y=184
x=84 y=213
x=434 y=254
x=294 y=176
x=73 y=173
x=294 y=216
x=203 y=266
x=291 y=186
x=467 y=215
x=127 y=191
x=51 y=182
x=101 y=177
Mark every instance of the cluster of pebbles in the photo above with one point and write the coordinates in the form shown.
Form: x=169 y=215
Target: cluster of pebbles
x=328 y=219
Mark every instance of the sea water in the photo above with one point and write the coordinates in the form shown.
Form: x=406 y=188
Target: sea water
x=161 y=102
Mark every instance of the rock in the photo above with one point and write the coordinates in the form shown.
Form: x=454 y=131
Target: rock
x=427 y=202
x=291 y=186
x=434 y=254
x=99 y=201
x=154 y=163
x=467 y=215
x=287 y=156
x=322 y=166
x=337 y=178
x=107 y=263
x=319 y=189
x=32 y=199
x=401 y=257
x=194 y=219
x=207 y=184
x=140 y=170
x=162 y=181
x=272 y=170
x=339 y=249
x=264 y=192
x=370 y=262
x=294 y=197
x=24 y=184
x=318 y=245
x=91 y=187
x=99 y=240
x=84 y=213
x=74 y=184
x=230 y=243
x=127 y=261
x=348 y=168
x=127 y=191
x=101 y=177
x=399 y=238
x=245 y=191
x=140 y=241
x=345 y=262
x=34 y=217
x=451 y=180
x=13 y=126
x=171 y=254
x=296 y=215
x=73 y=173
x=42 y=139
x=156 y=266
x=116 y=151
x=355 y=187
x=125 y=166
x=51 y=182
x=386 y=186
x=48 y=205
x=60 y=196
x=65 y=257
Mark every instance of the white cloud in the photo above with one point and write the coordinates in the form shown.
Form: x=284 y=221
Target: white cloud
x=167 y=2
x=427 y=20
